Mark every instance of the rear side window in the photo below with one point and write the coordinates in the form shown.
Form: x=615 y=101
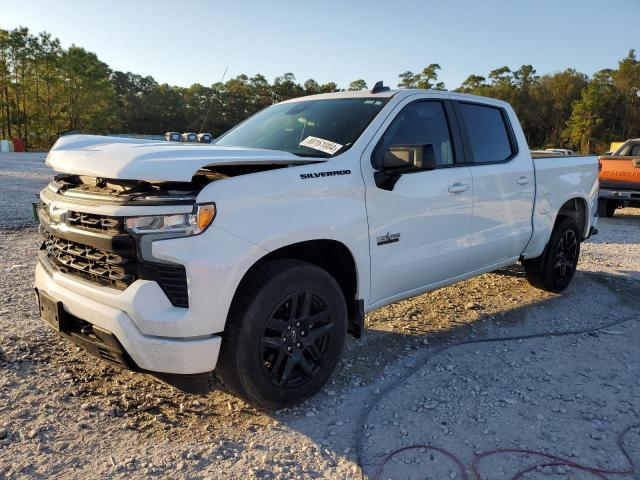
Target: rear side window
x=487 y=133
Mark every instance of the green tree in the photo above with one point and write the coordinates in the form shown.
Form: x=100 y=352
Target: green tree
x=474 y=84
x=133 y=95
x=285 y=87
x=526 y=103
x=524 y=77
x=500 y=76
x=236 y=100
x=428 y=78
x=408 y=79
x=18 y=54
x=198 y=102
x=50 y=100
x=88 y=91
x=311 y=87
x=597 y=117
x=555 y=96
x=359 y=84
x=501 y=84
x=6 y=105
x=45 y=90
x=329 y=87
x=627 y=81
x=261 y=92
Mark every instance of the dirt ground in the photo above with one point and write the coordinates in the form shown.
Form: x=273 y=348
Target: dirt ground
x=64 y=414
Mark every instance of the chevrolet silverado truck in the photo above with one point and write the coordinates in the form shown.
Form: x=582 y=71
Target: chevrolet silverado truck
x=255 y=256
x=620 y=179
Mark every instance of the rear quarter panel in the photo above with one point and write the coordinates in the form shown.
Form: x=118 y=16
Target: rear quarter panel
x=558 y=180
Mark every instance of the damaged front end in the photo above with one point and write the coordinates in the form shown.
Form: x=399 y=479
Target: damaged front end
x=95 y=190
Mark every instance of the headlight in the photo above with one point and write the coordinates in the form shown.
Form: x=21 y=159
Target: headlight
x=180 y=224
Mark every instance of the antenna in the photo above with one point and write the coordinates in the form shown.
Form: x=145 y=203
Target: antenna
x=211 y=102
x=379 y=87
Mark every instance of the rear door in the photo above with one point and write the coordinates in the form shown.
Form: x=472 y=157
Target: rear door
x=419 y=228
x=503 y=185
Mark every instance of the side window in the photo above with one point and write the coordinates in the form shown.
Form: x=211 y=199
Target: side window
x=635 y=151
x=419 y=123
x=487 y=132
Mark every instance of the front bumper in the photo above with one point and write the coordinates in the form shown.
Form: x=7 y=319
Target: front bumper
x=159 y=355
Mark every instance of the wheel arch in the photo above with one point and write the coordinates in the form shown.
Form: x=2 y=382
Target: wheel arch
x=578 y=209
x=332 y=256
x=546 y=217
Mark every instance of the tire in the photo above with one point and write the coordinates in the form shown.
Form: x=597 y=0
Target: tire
x=607 y=208
x=284 y=335
x=553 y=270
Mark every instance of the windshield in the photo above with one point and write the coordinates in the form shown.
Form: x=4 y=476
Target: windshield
x=311 y=128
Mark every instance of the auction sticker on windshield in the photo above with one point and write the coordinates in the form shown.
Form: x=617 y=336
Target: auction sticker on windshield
x=321 y=144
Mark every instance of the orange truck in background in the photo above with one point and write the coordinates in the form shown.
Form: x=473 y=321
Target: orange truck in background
x=620 y=179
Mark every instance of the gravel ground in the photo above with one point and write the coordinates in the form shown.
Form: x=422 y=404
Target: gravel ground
x=22 y=176
x=406 y=382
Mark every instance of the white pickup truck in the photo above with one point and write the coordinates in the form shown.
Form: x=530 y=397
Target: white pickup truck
x=256 y=255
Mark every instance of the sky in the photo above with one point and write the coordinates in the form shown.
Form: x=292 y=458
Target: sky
x=186 y=42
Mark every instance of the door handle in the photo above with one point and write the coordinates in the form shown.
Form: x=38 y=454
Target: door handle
x=523 y=181
x=458 y=187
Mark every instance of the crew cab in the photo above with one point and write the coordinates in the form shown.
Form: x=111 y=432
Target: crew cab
x=620 y=178
x=255 y=256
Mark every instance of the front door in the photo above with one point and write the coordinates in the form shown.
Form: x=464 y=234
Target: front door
x=419 y=230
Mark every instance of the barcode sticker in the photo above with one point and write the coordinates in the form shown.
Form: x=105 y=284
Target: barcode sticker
x=321 y=144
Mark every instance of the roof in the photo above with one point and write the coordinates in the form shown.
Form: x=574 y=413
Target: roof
x=347 y=94
x=400 y=93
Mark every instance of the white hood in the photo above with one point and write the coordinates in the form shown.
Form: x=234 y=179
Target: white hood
x=133 y=159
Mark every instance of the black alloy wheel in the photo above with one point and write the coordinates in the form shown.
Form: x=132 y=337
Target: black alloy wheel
x=284 y=334
x=554 y=269
x=296 y=339
x=566 y=255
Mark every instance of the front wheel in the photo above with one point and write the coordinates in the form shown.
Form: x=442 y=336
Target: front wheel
x=284 y=335
x=554 y=269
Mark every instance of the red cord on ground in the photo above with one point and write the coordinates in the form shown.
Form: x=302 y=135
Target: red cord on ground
x=555 y=460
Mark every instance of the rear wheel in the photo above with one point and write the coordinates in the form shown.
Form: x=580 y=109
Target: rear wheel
x=554 y=269
x=607 y=208
x=285 y=334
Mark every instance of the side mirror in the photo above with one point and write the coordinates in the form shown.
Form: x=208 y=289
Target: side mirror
x=409 y=157
x=399 y=159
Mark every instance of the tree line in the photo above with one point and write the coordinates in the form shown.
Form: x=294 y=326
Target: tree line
x=47 y=90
